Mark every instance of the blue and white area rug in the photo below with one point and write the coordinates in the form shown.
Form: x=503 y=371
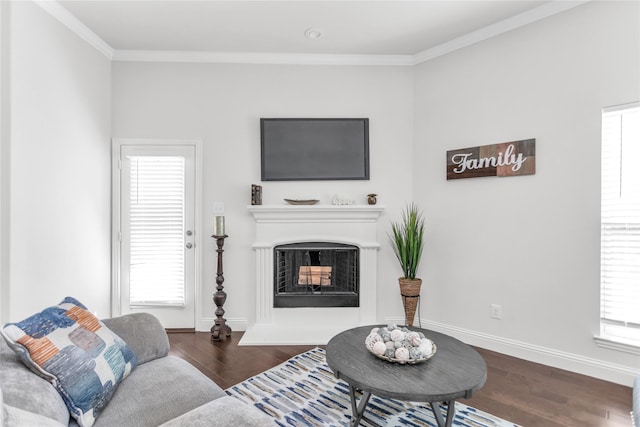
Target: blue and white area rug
x=303 y=392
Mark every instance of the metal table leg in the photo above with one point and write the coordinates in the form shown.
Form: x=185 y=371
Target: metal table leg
x=451 y=410
x=358 y=409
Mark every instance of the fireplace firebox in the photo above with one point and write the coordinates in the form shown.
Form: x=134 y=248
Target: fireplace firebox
x=316 y=274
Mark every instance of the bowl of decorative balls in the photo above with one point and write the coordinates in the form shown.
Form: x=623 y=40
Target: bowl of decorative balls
x=399 y=345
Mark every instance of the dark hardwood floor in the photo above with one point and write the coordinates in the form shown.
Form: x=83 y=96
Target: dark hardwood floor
x=526 y=393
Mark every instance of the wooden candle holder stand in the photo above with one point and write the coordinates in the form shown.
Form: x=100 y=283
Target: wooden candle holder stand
x=220 y=328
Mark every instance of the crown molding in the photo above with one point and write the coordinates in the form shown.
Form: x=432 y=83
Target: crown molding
x=261 y=58
x=72 y=23
x=66 y=18
x=506 y=25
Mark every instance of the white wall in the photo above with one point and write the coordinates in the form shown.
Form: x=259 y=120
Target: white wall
x=59 y=178
x=4 y=158
x=222 y=105
x=530 y=244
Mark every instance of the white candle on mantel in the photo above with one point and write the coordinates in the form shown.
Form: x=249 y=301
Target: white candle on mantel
x=218 y=226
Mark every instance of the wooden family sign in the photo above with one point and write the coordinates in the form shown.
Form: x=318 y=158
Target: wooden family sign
x=506 y=159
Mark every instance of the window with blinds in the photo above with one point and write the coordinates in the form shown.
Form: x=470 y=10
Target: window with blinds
x=620 y=225
x=156 y=221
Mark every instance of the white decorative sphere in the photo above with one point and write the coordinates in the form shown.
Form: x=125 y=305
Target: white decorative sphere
x=426 y=347
x=371 y=339
x=414 y=339
x=397 y=335
x=379 y=348
x=402 y=354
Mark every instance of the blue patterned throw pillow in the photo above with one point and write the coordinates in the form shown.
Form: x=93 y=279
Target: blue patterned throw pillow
x=76 y=352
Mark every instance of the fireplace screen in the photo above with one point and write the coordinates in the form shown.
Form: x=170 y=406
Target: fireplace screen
x=316 y=274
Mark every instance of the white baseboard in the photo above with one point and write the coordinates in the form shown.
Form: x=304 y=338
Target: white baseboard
x=601 y=369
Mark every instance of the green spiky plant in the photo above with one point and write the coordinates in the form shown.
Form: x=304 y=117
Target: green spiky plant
x=407 y=240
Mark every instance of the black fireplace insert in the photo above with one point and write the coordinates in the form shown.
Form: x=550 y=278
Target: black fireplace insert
x=316 y=274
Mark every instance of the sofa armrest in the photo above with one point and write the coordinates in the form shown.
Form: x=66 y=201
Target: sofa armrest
x=10 y=416
x=143 y=332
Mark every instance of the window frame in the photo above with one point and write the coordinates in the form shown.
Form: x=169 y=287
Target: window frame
x=606 y=338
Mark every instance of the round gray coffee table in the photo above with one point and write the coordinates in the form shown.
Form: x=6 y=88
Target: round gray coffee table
x=455 y=371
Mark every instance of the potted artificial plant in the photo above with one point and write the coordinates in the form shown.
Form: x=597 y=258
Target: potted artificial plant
x=407 y=242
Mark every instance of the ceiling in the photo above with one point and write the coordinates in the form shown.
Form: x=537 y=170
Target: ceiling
x=353 y=27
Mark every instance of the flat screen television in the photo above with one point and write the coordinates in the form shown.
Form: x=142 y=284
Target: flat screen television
x=314 y=149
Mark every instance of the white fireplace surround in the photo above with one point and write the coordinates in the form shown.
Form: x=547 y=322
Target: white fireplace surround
x=282 y=224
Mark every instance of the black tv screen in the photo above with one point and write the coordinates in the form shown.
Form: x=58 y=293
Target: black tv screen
x=314 y=149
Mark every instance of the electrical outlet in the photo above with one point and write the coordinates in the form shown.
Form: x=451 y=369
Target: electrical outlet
x=218 y=208
x=496 y=311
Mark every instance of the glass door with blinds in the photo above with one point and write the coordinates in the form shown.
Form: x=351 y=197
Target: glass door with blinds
x=156 y=235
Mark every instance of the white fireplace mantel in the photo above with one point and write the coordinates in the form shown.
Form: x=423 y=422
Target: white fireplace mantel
x=324 y=213
x=282 y=224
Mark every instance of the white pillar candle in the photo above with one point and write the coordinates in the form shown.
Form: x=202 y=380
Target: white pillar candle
x=218 y=226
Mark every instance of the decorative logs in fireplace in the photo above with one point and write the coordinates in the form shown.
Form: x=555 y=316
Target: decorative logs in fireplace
x=316 y=274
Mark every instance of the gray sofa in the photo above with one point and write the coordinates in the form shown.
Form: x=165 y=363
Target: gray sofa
x=162 y=390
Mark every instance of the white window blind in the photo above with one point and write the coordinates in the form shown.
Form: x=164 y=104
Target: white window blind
x=157 y=204
x=620 y=225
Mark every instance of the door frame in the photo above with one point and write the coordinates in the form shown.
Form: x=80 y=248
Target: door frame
x=116 y=145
